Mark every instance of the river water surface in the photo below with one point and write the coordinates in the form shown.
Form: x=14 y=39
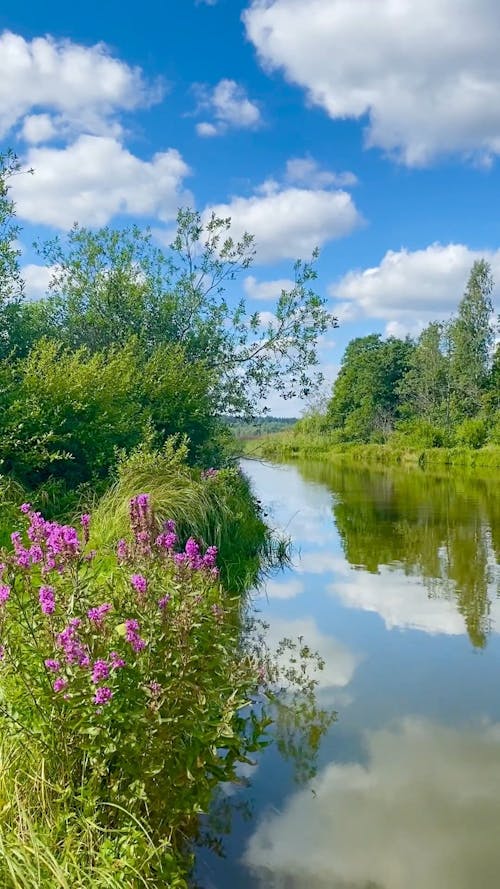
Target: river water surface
x=396 y=582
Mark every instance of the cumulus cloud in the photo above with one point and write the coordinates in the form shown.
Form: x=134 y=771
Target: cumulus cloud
x=230 y=106
x=410 y=288
x=81 y=87
x=421 y=812
x=426 y=73
x=289 y=221
x=96 y=178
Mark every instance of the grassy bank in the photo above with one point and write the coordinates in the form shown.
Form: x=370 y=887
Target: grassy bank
x=283 y=446
x=125 y=678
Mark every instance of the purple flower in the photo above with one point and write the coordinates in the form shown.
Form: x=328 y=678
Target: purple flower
x=2 y=652
x=139 y=583
x=103 y=695
x=163 y=602
x=132 y=630
x=85 y=523
x=117 y=662
x=210 y=557
x=192 y=551
x=170 y=526
x=4 y=593
x=25 y=508
x=59 y=684
x=97 y=615
x=180 y=559
x=52 y=665
x=74 y=651
x=166 y=540
x=122 y=550
x=47 y=599
x=100 y=671
x=142 y=522
x=155 y=689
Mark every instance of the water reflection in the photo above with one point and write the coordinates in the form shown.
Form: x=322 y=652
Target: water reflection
x=443 y=530
x=406 y=792
x=419 y=814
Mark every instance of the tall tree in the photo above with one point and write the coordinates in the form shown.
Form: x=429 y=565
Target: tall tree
x=11 y=282
x=424 y=390
x=471 y=340
x=110 y=285
x=365 y=400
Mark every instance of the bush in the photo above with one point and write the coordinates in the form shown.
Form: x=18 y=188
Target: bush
x=65 y=415
x=473 y=432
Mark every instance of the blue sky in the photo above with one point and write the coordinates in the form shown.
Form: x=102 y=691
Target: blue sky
x=370 y=129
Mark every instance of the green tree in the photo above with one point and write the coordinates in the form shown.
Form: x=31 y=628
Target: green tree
x=11 y=282
x=471 y=340
x=424 y=390
x=365 y=402
x=110 y=285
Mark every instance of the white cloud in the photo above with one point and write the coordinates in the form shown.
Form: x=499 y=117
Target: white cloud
x=96 y=178
x=37 y=279
x=266 y=289
x=408 y=289
x=230 y=107
x=288 y=222
x=38 y=128
x=306 y=171
x=206 y=129
x=284 y=588
x=402 y=602
x=422 y=812
x=425 y=72
x=82 y=86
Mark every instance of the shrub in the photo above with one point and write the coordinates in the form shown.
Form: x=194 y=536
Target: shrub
x=473 y=432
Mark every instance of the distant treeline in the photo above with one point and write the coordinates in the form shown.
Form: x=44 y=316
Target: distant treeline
x=440 y=390
x=259 y=426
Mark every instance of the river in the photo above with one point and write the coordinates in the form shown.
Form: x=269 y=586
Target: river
x=395 y=580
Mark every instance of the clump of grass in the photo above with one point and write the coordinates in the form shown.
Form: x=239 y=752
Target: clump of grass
x=219 y=510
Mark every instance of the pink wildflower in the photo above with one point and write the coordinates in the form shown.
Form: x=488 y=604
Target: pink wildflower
x=4 y=593
x=139 y=583
x=97 y=615
x=47 y=599
x=103 y=695
x=59 y=684
x=100 y=671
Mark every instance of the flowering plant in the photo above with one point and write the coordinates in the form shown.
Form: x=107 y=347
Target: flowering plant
x=125 y=669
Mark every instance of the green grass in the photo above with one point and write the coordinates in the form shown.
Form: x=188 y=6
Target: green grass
x=287 y=445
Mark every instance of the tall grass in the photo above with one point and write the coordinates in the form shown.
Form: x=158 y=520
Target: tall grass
x=220 y=511
x=45 y=844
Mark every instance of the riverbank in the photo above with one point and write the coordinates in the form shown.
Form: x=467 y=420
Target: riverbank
x=125 y=675
x=283 y=446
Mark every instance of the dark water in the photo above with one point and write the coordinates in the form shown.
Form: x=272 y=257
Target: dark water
x=396 y=582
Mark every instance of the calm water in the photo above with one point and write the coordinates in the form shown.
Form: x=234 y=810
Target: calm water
x=396 y=582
